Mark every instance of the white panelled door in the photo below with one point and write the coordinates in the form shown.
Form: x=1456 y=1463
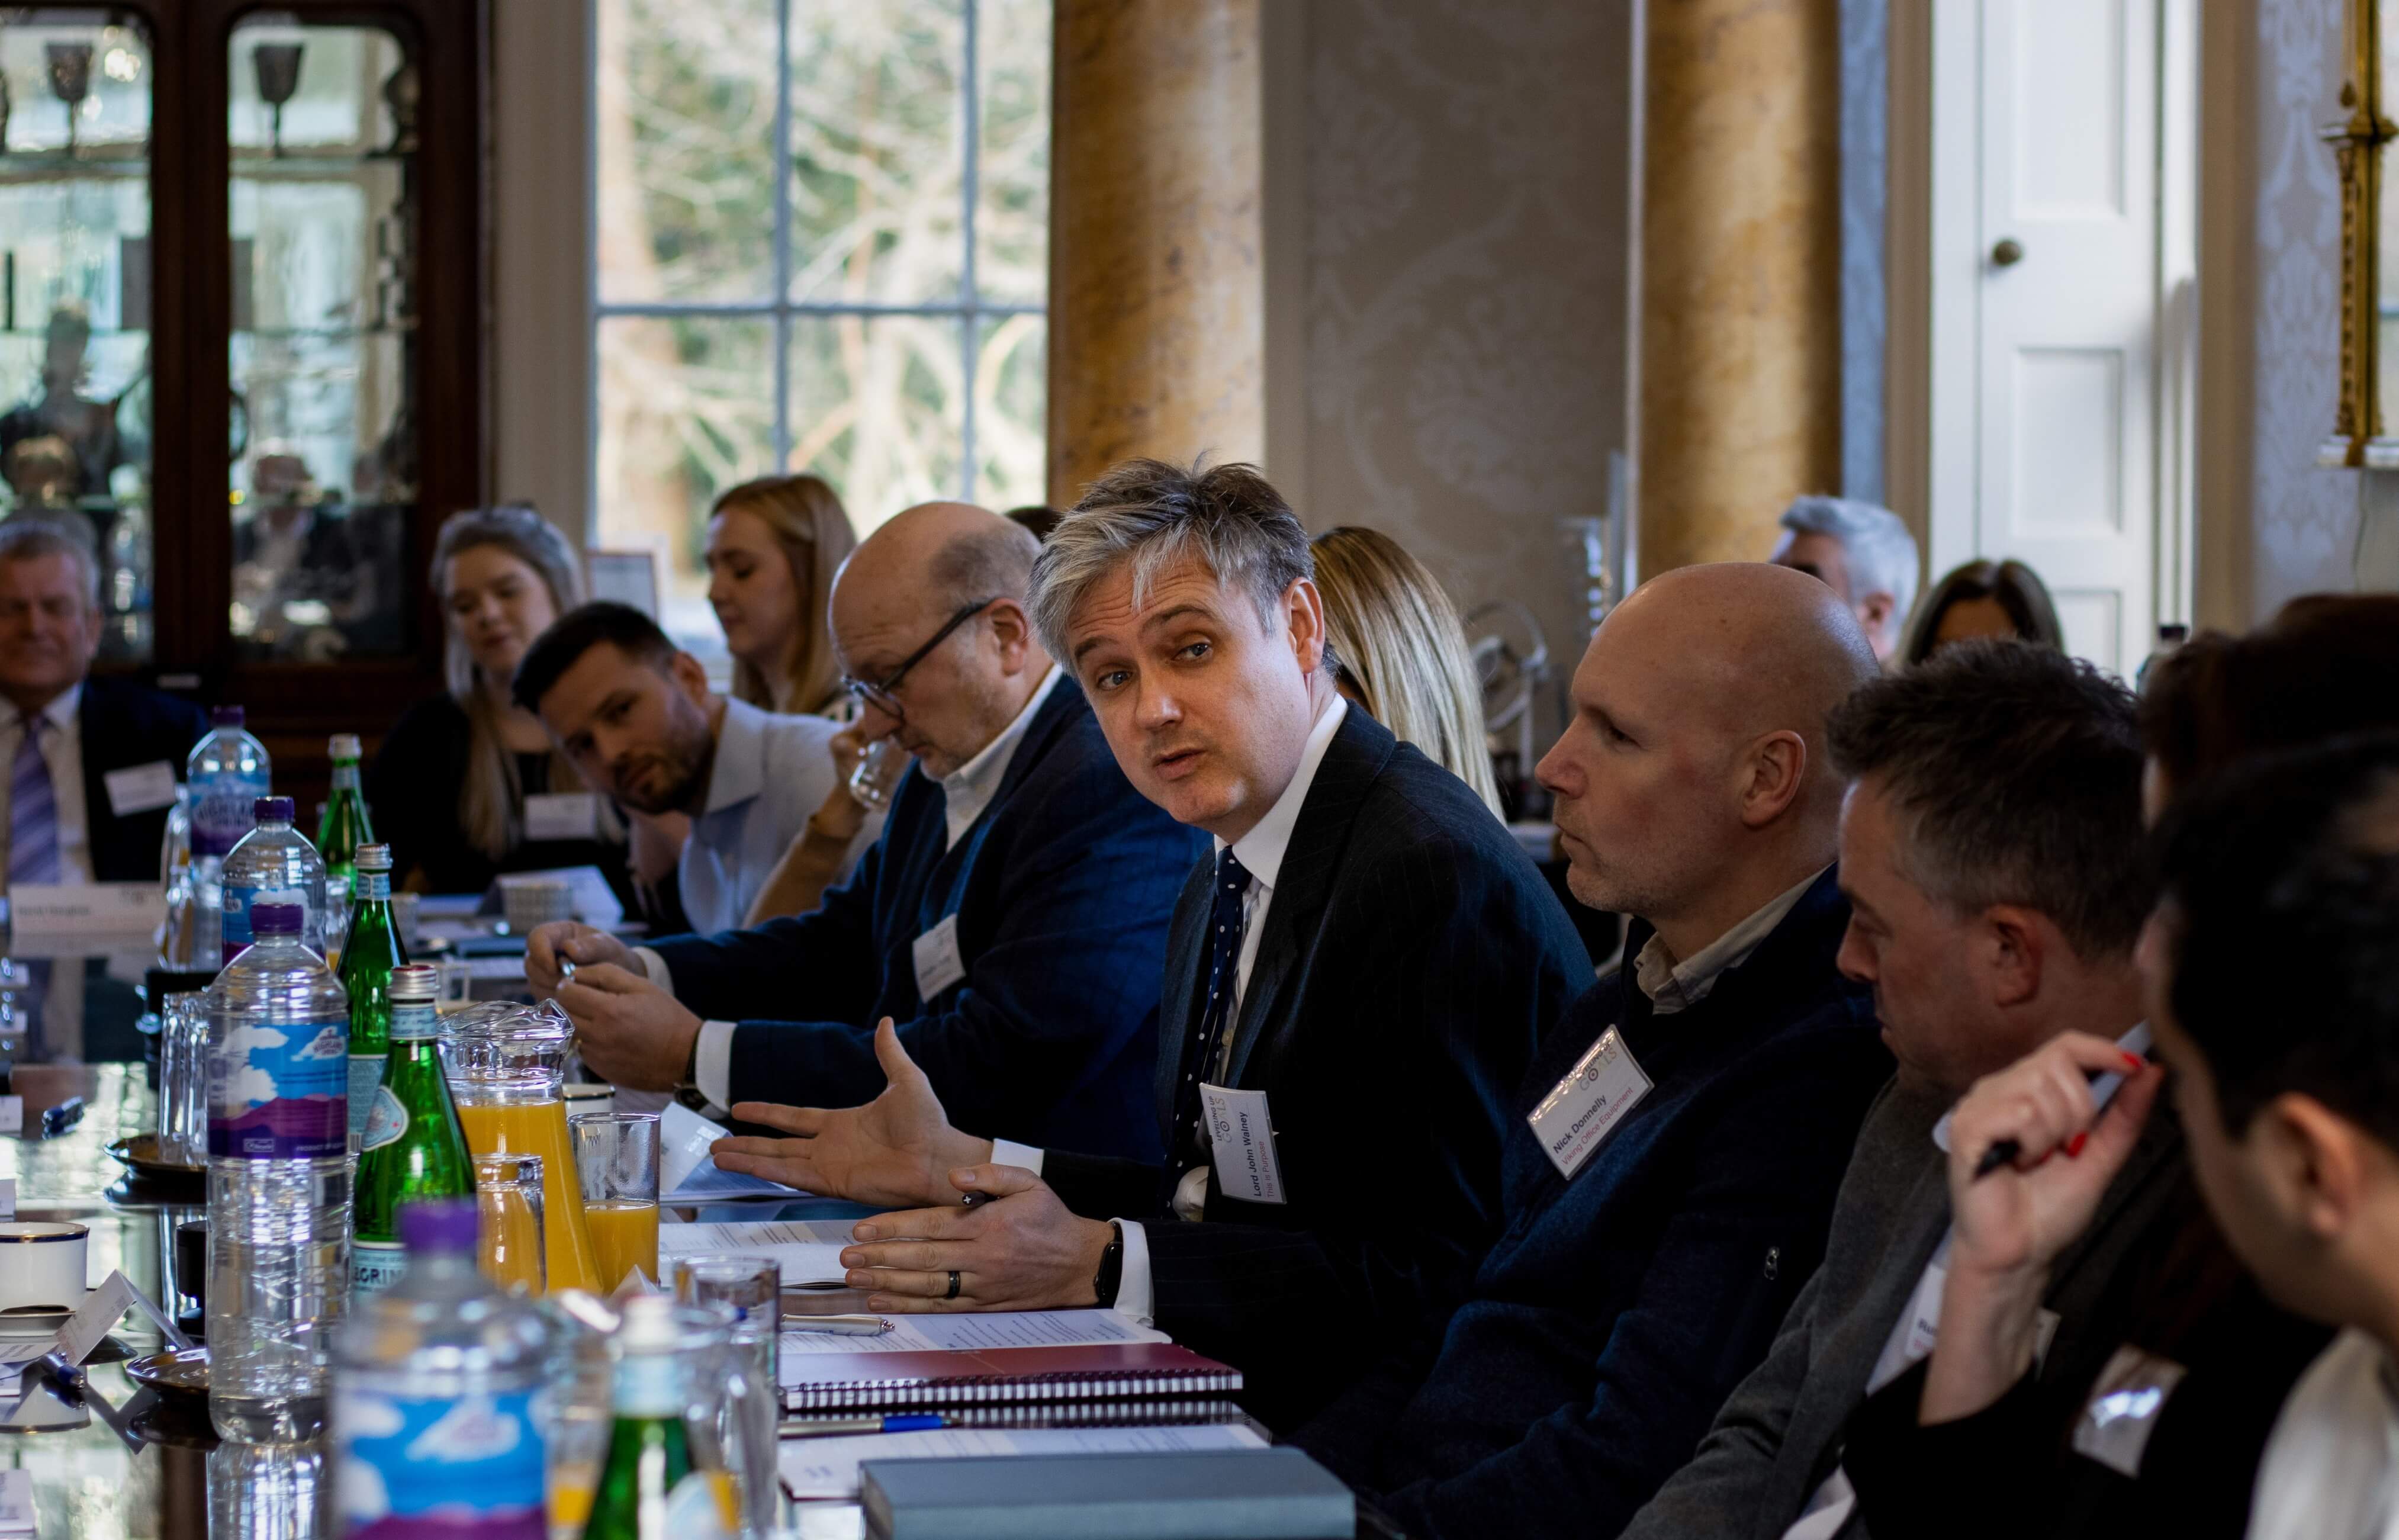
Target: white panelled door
x=2072 y=261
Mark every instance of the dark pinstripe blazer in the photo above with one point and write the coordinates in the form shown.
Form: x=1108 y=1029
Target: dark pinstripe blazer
x=1410 y=963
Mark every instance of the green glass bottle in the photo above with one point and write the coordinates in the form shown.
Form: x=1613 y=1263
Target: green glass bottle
x=344 y=827
x=368 y=957
x=651 y=1486
x=413 y=1148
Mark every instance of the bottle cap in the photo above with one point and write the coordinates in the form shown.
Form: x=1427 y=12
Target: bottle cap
x=343 y=746
x=225 y=716
x=444 y=1224
x=419 y=983
x=649 y=1325
x=272 y=809
x=372 y=857
x=280 y=911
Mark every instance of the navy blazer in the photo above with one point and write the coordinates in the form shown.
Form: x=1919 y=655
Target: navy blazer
x=1062 y=888
x=1619 y=1309
x=1410 y=962
x=123 y=724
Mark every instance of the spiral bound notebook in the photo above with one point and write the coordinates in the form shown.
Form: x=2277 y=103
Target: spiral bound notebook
x=990 y=1376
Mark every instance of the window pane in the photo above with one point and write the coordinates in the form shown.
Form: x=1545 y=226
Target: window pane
x=1012 y=157
x=687 y=150
x=323 y=221
x=877 y=410
x=1010 y=388
x=686 y=409
x=74 y=300
x=875 y=150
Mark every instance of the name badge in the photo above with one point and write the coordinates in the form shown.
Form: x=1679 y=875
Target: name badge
x=1593 y=1097
x=141 y=788
x=1241 y=1135
x=561 y=816
x=938 y=964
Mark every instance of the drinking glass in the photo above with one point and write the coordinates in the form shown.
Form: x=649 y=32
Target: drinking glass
x=183 y=1080
x=337 y=917
x=879 y=774
x=616 y=1154
x=507 y=1194
x=751 y=1289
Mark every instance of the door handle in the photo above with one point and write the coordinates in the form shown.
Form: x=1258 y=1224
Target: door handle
x=2007 y=252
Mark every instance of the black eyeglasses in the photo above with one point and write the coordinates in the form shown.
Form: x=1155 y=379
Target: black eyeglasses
x=882 y=695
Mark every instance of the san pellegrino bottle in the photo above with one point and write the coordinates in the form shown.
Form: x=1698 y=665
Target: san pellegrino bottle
x=278 y=1177
x=368 y=957
x=437 y=1430
x=274 y=856
x=344 y=825
x=651 y=1486
x=227 y=771
x=413 y=1148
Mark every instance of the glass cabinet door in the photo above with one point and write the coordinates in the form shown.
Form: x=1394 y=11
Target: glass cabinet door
x=322 y=133
x=76 y=390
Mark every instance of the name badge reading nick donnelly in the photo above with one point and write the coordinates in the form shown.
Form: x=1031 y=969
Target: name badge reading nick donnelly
x=1592 y=1098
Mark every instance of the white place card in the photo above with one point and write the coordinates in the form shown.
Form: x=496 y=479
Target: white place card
x=12 y=1121
x=16 y=1502
x=83 y=910
x=82 y=1336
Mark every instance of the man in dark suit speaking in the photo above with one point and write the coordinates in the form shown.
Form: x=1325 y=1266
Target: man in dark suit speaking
x=1012 y=916
x=1356 y=981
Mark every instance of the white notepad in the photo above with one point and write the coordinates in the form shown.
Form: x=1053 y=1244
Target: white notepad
x=827 y=1467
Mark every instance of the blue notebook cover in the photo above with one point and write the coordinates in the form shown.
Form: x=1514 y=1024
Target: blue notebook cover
x=1227 y=1494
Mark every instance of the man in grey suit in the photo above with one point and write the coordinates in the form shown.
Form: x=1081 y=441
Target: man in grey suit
x=1991 y=852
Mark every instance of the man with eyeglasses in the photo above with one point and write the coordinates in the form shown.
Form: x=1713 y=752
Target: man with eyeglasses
x=1011 y=919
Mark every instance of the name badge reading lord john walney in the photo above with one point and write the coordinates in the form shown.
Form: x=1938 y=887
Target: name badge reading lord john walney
x=1593 y=1097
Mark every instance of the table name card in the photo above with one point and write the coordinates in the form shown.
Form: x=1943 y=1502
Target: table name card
x=112 y=909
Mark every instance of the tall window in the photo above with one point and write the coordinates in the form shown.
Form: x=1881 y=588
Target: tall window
x=822 y=244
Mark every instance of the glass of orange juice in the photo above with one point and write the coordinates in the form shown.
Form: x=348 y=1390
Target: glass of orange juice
x=616 y=1154
x=508 y=1196
x=507 y=1066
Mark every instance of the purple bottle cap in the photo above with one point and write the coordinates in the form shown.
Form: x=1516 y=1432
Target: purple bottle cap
x=439 y=1225
x=225 y=716
x=270 y=918
x=272 y=809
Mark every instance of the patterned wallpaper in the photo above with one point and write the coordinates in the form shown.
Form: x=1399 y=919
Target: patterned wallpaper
x=2303 y=519
x=1467 y=255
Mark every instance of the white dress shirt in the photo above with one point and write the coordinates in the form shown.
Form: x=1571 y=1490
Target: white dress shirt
x=63 y=751
x=966 y=793
x=2330 y=1470
x=1260 y=852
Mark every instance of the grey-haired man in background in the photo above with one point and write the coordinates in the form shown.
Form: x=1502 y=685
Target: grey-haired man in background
x=1863 y=552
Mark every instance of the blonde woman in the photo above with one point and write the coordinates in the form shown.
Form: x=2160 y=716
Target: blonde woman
x=1400 y=652
x=773 y=547
x=468 y=784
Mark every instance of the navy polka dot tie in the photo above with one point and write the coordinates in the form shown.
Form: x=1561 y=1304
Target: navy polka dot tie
x=1225 y=926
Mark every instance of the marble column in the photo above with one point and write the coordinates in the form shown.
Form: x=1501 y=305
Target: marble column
x=1156 y=275
x=1739 y=296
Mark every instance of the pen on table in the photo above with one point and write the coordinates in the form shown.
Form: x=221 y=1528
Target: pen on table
x=2006 y=1151
x=846 y=1326
x=826 y=1427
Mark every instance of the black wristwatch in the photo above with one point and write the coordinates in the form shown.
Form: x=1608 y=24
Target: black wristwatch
x=1110 y=1278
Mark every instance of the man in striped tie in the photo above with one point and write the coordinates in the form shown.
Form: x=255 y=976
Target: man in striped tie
x=92 y=762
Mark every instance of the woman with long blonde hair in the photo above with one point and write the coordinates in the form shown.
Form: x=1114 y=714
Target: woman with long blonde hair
x=1399 y=651
x=467 y=785
x=773 y=546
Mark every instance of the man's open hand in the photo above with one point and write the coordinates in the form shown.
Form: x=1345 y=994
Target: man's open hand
x=898 y=1149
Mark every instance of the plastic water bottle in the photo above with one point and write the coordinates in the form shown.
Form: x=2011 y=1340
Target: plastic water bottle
x=278 y=1177
x=437 y=1386
x=227 y=771
x=270 y=858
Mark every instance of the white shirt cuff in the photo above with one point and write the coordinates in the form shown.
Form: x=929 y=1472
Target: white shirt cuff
x=712 y=1065
x=1135 y=1295
x=1006 y=1152
x=654 y=968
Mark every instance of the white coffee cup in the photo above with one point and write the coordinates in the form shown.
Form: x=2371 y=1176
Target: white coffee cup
x=41 y=1263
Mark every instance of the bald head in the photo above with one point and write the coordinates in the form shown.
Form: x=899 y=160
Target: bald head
x=896 y=592
x=1693 y=784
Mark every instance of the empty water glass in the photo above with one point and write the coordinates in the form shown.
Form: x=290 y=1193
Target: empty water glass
x=183 y=1080
x=753 y=1288
x=507 y=1194
x=879 y=774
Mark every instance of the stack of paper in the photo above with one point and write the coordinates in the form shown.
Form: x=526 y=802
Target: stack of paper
x=808 y=1251
x=827 y=1467
x=688 y=1173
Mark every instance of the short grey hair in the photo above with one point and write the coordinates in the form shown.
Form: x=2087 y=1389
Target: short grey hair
x=1150 y=513
x=30 y=539
x=1881 y=553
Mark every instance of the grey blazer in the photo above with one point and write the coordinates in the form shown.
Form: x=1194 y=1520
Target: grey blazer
x=1778 y=1435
